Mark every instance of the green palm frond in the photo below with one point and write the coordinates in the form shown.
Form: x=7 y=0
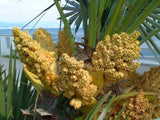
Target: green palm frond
x=150 y=29
x=127 y=16
x=73 y=13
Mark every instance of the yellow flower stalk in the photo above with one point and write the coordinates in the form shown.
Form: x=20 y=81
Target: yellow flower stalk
x=114 y=56
x=45 y=40
x=64 y=45
x=76 y=82
x=37 y=60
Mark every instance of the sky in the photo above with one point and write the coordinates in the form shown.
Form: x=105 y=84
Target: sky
x=19 y=12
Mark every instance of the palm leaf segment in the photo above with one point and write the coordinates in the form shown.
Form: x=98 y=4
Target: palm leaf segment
x=150 y=29
x=73 y=13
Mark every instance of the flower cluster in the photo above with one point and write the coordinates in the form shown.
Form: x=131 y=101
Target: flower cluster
x=138 y=107
x=115 y=56
x=76 y=82
x=37 y=60
x=112 y=58
x=45 y=40
x=150 y=81
x=64 y=45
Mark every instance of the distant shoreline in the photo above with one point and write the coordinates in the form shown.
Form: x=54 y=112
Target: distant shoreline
x=8 y=28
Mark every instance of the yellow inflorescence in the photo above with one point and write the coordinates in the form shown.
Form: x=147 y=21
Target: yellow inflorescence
x=150 y=81
x=115 y=56
x=45 y=40
x=37 y=60
x=64 y=45
x=76 y=82
x=139 y=108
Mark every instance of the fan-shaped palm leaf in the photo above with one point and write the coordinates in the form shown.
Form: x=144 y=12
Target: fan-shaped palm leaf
x=74 y=13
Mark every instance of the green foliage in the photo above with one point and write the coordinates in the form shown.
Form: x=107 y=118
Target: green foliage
x=15 y=92
x=74 y=10
x=2 y=94
x=99 y=112
x=97 y=108
x=106 y=109
x=113 y=16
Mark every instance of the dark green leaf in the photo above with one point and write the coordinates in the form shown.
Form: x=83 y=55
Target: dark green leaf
x=2 y=102
x=120 y=113
x=143 y=15
x=78 y=23
x=73 y=18
x=10 y=89
x=92 y=22
x=97 y=108
x=106 y=109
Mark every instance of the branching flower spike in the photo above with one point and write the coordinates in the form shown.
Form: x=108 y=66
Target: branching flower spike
x=115 y=56
x=138 y=107
x=37 y=60
x=76 y=82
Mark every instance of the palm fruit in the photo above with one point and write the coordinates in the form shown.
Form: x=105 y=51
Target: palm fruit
x=64 y=45
x=45 y=40
x=37 y=60
x=114 y=56
x=76 y=82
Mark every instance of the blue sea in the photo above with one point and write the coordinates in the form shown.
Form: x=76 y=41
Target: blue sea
x=52 y=31
x=78 y=36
